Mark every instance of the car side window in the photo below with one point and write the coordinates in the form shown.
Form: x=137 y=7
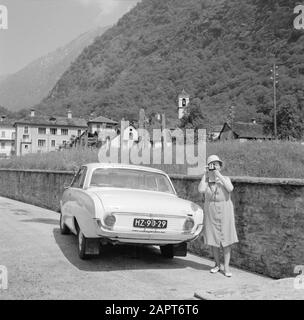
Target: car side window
x=82 y=177
x=75 y=181
x=79 y=178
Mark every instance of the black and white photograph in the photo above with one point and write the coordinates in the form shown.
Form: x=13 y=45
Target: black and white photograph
x=151 y=150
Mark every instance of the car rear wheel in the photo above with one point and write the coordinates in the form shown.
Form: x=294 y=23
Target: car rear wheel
x=87 y=247
x=167 y=251
x=63 y=228
x=82 y=243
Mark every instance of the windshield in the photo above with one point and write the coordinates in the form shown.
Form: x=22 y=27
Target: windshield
x=131 y=179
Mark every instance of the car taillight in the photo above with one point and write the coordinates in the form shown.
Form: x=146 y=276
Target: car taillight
x=109 y=220
x=188 y=224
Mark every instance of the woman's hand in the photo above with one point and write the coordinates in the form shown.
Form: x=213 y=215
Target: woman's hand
x=217 y=173
x=226 y=181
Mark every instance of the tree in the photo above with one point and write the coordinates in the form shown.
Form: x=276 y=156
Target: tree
x=194 y=118
x=289 y=119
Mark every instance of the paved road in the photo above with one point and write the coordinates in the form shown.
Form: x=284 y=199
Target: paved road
x=43 y=264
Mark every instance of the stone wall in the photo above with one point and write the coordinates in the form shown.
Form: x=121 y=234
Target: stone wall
x=269 y=214
x=38 y=187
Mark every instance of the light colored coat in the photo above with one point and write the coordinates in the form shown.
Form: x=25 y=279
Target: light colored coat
x=219 y=224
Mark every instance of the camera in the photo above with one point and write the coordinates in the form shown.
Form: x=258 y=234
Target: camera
x=211 y=167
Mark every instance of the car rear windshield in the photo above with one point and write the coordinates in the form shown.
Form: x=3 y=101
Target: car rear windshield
x=131 y=179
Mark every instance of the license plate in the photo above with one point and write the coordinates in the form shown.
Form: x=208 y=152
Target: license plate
x=150 y=223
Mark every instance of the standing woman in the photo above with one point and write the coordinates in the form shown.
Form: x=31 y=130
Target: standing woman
x=219 y=226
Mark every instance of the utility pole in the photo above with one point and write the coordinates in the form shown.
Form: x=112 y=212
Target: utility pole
x=231 y=116
x=275 y=82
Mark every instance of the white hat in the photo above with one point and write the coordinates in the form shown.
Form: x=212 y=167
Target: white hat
x=214 y=158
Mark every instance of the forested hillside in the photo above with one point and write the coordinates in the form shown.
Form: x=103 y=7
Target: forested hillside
x=221 y=52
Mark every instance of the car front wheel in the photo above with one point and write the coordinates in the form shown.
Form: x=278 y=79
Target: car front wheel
x=167 y=251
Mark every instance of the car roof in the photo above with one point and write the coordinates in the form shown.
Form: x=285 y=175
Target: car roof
x=92 y=166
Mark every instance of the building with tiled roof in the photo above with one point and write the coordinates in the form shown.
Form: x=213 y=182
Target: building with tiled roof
x=7 y=137
x=99 y=123
x=215 y=131
x=40 y=133
x=244 y=131
x=69 y=121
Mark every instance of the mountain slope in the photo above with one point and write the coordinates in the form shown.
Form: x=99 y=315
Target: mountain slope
x=5 y=112
x=219 y=51
x=30 y=85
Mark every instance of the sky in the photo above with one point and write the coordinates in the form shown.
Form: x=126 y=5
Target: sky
x=37 y=27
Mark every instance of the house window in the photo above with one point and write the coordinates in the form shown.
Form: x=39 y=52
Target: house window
x=41 y=130
x=13 y=135
x=26 y=146
x=79 y=132
x=41 y=143
x=53 y=131
x=25 y=137
x=98 y=127
x=53 y=143
x=3 y=134
x=64 y=132
x=2 y=145
x=25 y=130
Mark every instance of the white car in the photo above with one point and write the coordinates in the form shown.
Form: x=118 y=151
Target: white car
x=119 y=203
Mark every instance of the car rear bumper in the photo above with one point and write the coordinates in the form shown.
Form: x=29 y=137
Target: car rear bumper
x=150 y=237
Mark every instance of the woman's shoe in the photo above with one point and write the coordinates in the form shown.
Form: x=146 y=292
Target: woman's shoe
x=215 y=269
x=228 y=274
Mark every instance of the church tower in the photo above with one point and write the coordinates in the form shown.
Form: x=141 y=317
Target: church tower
x=183 y=101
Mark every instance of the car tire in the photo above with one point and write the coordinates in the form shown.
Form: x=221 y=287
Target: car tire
x=167 y=251
x=63 y=228
x=82 y=243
